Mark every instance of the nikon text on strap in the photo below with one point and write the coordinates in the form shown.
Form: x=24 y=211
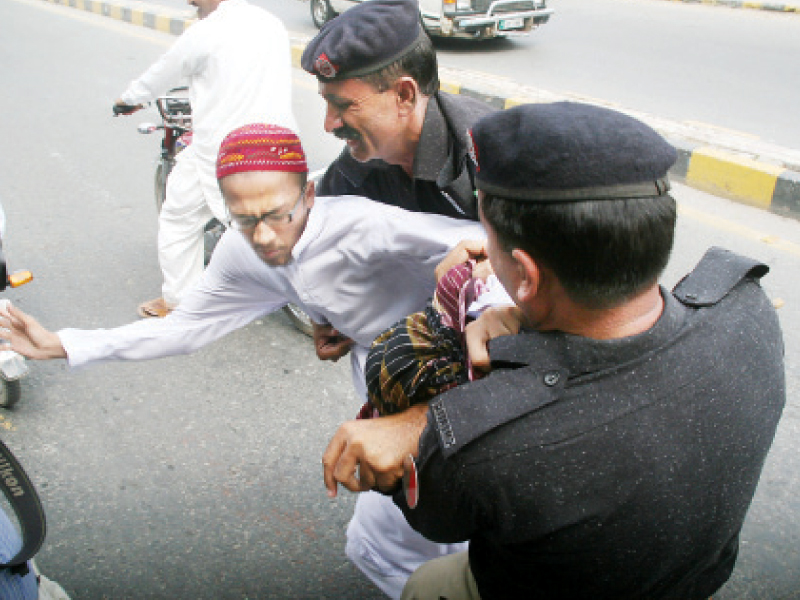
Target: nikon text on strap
x=23 y=498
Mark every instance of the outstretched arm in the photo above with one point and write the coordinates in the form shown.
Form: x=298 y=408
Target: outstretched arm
x=27 y=336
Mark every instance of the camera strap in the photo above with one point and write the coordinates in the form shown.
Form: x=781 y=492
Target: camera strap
x=23 y=498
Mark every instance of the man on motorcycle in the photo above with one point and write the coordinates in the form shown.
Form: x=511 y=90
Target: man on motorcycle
x=284 y=245
x=236 y=61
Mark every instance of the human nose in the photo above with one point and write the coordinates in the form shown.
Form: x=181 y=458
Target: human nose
x=333 y=119
x=263 y=234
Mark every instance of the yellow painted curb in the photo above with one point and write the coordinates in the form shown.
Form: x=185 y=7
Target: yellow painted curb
x=297 y=54
x=512 y=102
x=162 y=24
x=450 y=87
x=732 y=176
x=137 y=17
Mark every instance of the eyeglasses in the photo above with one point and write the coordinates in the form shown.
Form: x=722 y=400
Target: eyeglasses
x=250 y=222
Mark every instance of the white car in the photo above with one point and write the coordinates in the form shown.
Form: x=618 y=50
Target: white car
x=476 y=19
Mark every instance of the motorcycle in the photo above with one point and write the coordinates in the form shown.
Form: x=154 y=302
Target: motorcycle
x=176 y=124
x=12 y=365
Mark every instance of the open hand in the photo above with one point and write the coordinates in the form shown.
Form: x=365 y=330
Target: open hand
x=27 y=337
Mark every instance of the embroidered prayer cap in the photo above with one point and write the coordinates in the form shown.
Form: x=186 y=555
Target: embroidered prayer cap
x=364 y=39
x=568 y=152
x=261 y=147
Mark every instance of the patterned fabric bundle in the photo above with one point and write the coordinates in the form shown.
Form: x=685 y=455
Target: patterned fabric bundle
x=423 y=354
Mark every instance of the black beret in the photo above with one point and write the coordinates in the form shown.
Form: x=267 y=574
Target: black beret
x=364 y=39
x=566 y=151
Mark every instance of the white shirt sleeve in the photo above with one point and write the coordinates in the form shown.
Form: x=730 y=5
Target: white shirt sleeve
x=372 y=264
x=235 y=289
x=184 y=59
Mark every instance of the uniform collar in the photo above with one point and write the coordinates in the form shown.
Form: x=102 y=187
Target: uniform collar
x=577 y=355
x=433 y=149
x=542 y=364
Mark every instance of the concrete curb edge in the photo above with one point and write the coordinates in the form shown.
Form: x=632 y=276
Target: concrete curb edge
x=771 y=6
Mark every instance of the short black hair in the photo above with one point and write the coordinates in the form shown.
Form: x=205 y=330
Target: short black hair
x=603 y=252
x=419 y=63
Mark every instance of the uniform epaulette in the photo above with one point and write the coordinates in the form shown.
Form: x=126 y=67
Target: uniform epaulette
x=717 y=273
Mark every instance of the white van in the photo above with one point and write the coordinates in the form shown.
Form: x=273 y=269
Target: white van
x=476 y=19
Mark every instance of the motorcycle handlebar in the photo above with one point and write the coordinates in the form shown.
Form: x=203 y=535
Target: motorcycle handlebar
x=125 y=109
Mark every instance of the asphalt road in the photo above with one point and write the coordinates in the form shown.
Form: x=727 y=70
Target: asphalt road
x=730 y=68
x=198 y=477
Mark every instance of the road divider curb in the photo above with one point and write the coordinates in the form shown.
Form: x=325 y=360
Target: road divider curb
x=767 y=184
x=772 y=6
x=700 y=165
x=740 y=178
x=137 y=13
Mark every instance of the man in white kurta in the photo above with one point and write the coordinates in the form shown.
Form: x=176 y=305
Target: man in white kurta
x=359 y=265
x=236 y=61
x=348 y=261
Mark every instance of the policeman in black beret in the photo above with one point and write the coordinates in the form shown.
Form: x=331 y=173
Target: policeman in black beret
x=406 y=146
x=378 y=74
x=615 y=447
x=406 y=140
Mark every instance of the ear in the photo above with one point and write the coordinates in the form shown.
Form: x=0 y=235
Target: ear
x=529 y=275
x=407 y=93
x=311 y=193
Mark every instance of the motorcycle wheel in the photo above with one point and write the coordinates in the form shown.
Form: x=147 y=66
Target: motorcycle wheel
x=10 y=393
x=321 y=12
x=299 y=319
x=160 y=183
x=211 y=234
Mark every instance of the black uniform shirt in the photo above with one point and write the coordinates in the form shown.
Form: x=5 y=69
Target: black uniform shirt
x=442 y=183
x=611 y=469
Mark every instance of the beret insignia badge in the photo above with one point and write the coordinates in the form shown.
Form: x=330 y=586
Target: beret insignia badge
x=325 y=67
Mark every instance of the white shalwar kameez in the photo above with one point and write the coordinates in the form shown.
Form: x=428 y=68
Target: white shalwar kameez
x=359 y=265
x=237 y=65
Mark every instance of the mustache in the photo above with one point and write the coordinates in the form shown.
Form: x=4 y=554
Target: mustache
x=345 y=132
